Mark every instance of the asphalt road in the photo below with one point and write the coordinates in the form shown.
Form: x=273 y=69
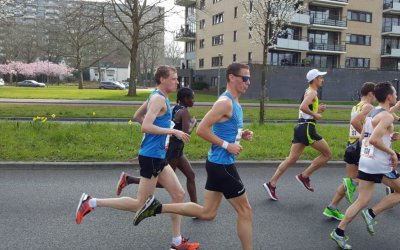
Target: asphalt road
x=37 y=211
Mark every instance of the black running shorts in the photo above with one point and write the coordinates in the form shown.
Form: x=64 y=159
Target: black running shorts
x=352 y=153
x=224 y=179
x=377 y=178
x=150 y=166
x=175 y=149
x=305 y=133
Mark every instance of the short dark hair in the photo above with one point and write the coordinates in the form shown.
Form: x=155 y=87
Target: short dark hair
x=183 y=93
x=367 y=87
x=234 y=69
x=163 y=71
x=382 y=90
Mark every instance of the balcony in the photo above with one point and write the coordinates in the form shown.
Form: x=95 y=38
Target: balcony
x=330 y=3
x=327 y=23
x=185 y=3
x=185 y=35
x=391 y=30
x=327 y=48
x=291 y=44
x=387 y=53
x=391 y=8
x=300 y=19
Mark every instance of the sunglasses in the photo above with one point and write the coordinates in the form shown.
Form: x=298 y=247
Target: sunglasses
x=244 y=78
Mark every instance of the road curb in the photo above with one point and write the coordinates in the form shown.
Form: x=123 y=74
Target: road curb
x=37 y=165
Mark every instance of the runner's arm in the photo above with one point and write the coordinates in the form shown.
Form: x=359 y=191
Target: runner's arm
x=309 y=97
x=156 y=103
x=185 y=118
x=358 y=120
x=140 y=113
x=379 y=131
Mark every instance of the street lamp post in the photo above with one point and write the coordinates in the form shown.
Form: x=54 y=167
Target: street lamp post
x=219 y=73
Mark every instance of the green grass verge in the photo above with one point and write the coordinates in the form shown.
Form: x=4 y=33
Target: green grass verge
x=73 y=93
x=28 y=141
x=69 y=111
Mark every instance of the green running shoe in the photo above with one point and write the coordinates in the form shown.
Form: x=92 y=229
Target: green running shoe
x=369 y=221
x=349 y=189
x=147 y=210
x=340 y=241
x=333 y=213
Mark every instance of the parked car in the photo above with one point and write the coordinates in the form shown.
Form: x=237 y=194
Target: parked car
x=1 y=82
x=30 y=83
x=126 y=84
x=111 y=85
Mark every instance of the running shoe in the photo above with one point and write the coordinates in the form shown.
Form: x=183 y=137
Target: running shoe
x=121 y=183
x=369 y=221
x=83 y=208
x=147 y=210
x=333 y=213
x=340 y=241
x=305 y=181
x=389 y=190
x=271 y=191
x=349 y=189
x=185 y=245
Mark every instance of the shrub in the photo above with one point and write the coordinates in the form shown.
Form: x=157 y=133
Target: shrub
x=200 y=86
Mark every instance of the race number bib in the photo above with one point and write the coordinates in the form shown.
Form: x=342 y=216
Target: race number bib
x=238 y=136
x=367 y=149
x=353 y=132
x=169 y=136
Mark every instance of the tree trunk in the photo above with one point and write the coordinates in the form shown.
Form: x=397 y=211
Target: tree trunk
x=79 y=67
x=132 y=75
x=264 y=75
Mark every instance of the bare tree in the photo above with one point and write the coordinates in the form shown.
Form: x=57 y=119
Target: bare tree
x=12 y=8
x=268 y=18
x=132 y=22
x=83 y=34
x=173 y=53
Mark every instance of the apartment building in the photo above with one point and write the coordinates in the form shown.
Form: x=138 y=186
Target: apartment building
x=350 y=34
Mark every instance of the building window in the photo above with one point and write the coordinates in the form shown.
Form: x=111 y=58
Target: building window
x=202 y=4
x=358 y=39
x=355 y=62
x=218 y=18
x=359 y=16
x=234 y=58
x=235 y=35
x=214 y=81
x=235 y=12
x=249 y=57
x=216 y=1
x=216 y=61
x=250 y=29
x=201 y=43
x=202 y=23
x=191 y=46
x=217 y=40
x=201 y=63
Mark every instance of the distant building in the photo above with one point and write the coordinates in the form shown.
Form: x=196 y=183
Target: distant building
x=112 y=68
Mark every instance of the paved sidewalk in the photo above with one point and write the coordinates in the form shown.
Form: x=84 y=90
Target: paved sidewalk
x=132 y=103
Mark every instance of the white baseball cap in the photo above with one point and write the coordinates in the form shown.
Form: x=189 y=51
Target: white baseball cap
x=312 y=74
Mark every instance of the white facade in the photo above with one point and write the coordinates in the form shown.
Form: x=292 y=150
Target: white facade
x=110 y=74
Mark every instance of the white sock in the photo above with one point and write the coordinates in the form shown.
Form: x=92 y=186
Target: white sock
x=93 y=203
x=177 y=240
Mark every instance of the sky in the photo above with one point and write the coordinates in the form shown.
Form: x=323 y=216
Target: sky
x=174 y=21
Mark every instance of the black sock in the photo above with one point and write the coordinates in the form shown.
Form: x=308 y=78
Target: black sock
x=339 y=232
x=371 y=212
x=158 y=209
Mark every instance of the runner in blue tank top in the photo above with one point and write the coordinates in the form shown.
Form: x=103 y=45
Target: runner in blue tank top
x=155 y=116
x=226 y=120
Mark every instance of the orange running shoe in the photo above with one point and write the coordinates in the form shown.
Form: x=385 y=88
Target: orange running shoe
x=83 y=208
x=186 y=245
x=121 y=183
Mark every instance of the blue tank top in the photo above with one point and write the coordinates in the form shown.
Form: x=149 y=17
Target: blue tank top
x=230 y=131
x=156 y=145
